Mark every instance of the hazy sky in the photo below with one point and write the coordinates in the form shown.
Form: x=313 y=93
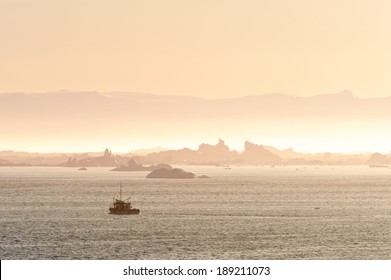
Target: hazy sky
x=219 y=48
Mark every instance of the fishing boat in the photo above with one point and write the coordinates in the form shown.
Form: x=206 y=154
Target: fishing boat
x=122 y=207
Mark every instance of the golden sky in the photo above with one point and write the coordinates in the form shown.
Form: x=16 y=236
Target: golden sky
x=214 y=49
x=202 y=48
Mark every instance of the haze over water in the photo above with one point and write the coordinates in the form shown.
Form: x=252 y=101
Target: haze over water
x=242 y=213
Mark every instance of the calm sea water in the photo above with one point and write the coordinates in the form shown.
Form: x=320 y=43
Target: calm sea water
x=241 y=213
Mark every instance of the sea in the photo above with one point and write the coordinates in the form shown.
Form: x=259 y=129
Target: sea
x=240 y=212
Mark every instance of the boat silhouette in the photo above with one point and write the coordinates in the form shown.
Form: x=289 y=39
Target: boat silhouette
x=122 y=207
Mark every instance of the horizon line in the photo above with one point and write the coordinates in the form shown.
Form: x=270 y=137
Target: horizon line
x=161 y=149
x=93 y=91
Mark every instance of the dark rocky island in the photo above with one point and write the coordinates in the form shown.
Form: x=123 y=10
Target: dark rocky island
x=175 y=173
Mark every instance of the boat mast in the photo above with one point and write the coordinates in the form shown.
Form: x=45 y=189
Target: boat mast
x=120 y=191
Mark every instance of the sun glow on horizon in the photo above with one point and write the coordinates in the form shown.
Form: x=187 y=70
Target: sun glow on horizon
x=308 y=147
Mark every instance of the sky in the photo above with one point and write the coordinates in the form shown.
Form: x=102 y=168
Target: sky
x=210 y=49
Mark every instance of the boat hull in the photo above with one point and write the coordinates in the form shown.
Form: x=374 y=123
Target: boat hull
x=124 y=212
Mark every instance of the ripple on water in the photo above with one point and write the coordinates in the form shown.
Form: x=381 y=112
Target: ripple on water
x=254 y=213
